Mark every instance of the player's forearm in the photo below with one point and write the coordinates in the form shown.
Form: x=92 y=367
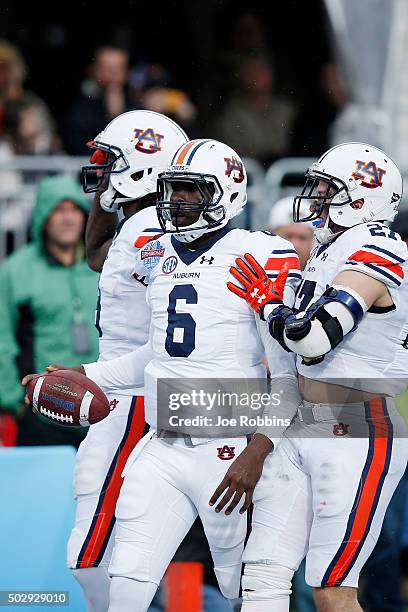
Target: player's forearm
x=260 y=446
x=100 y=230
x=278 y=414
x=125 y=372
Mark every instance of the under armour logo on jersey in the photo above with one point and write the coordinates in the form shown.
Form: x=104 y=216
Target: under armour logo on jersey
x=233 y=165
x=341 y=429
x=205 y=260
x=226 y=453
x=324 y=256
x=259 y=298
x=369 y=174
x=148 y=141
x=113 y=404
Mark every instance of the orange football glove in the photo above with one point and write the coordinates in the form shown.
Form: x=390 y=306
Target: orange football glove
x=258 y=289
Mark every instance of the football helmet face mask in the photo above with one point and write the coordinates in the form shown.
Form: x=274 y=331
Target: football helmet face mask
x=105 y=159
x=346 y=174
x=202 y=189
x=132 y=150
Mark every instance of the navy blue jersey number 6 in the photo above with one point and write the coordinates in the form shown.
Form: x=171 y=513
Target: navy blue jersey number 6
x=181 y=320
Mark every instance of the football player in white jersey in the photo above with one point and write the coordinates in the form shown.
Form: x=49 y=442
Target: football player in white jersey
x=324 y=491
x=127 y=158
x=198 y=330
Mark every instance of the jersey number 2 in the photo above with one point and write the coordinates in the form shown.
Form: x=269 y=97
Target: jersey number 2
x=181 y=321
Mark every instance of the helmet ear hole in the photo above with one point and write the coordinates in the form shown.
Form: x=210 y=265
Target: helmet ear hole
x=357 y=204
x=136 y=176
x=233 y=196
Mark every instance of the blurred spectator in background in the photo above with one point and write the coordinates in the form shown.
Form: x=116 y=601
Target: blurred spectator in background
x=13 y=71
x=249 y=34
x=149 y=89
x=299 y=234
x=103 y=97
x=47 y=304
x=12 y=74
x=318 y=112
x=255 y=121
x=28 y=126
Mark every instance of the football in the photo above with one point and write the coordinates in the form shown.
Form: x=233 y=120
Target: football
x=65 y=397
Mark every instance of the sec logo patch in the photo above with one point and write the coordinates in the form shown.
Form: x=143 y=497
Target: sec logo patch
x=170 y=264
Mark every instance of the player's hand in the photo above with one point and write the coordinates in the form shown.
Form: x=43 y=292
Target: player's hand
x=242 y=476
x=25 y=382
x=257 y=289
x=57 y=366
x=51 y=368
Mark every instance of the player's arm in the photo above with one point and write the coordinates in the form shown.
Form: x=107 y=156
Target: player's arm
x=243 y=474
x=335 y=314
x=127 y=371
x=123 y=372
x=100 y=229
x=367 y=277
x=259 y=290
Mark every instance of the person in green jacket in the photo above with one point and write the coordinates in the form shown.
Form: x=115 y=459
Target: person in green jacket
x=47 y=305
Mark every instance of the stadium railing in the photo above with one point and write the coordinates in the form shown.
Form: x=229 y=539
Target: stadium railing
x=18 y=183
x=19 y=177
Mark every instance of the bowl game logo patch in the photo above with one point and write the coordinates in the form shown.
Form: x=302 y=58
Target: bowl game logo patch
x=151 y=254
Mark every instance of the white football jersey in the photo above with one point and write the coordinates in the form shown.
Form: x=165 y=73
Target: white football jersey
x=199 y=329
x=122 y=314
x=378 y=347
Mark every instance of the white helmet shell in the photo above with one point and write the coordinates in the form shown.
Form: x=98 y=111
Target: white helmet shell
x=143 y=144
x=361 y=172
x=215 y=164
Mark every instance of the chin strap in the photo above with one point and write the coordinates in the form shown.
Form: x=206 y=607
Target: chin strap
x=111 y=200
x=322 y=327
x=323 y=234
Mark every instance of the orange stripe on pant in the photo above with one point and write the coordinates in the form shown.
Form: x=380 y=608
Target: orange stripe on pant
x=105 y=515
x=367 y=496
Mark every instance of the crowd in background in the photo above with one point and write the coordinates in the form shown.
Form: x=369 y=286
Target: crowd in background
x=246 y=102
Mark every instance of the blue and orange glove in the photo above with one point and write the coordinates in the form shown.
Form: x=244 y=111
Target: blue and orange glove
x=258 y=290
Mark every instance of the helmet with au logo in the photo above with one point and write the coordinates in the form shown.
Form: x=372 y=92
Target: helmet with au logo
x=132 y=150
x=213 y=170
x=347 y=173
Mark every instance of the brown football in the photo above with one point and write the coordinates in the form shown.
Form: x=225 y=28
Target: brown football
x=67 y=398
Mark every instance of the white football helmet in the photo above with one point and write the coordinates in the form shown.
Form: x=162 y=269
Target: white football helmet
x=346 y=173
x=215 y=171
x=133 y=149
